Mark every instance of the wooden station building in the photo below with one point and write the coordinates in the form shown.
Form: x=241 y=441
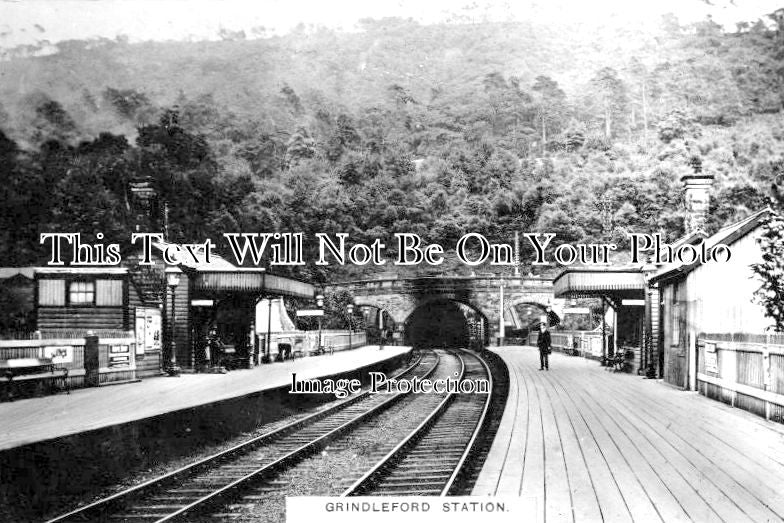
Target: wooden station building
x=710 y=299
x=635 y=295
x=696 y=323
x=164 y=305
x=178 y=303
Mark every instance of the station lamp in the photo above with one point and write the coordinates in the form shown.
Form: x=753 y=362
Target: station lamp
x=320 y=304
x=350 y=310
x=172 y=280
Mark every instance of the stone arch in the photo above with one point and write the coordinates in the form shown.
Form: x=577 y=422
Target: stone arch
x=543 y=302
x=546 y=306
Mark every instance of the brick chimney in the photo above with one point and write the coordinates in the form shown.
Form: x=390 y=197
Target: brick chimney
x=697 y=195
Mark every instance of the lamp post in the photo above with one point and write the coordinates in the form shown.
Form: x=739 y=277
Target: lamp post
x=320 y=304
x=350 y=310
x=172 y=280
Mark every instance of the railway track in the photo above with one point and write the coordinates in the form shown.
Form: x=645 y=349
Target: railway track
x=209 y=481
x=261 y=472
x=346 y=457
x=430 y=459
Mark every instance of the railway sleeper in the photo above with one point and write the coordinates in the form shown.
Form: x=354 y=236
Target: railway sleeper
x=408 y=483
x=413 y=492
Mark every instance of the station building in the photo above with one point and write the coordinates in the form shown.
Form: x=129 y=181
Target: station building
x=164 y=305
x=641 y=296
x=157 y=316
x=712 y=300
x=696 y=324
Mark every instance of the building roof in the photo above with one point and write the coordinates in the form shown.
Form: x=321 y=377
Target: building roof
x=10 y=272
x=81 y=269
x=692 y=237
x=220 y=275
x=217 y=262
x=725 y=236
x=626 y=282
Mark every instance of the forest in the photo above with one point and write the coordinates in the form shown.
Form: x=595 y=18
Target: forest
x=436 y=129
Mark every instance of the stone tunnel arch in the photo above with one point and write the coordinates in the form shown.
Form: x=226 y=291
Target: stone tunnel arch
x=528 y=313
x=445 y=321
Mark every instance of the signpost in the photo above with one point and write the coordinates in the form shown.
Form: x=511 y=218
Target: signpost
x=711 y=359
x=317 y=313
x=310 y=312
x=635 y=303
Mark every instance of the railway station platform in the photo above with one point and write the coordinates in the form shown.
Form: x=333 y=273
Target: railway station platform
x=584 y=444
x=32 y=420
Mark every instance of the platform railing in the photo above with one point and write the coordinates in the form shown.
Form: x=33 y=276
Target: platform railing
x=743 y=370
x=306 y=342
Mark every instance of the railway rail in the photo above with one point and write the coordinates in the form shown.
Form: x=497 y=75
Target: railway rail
x=346 y=457
x=430 y=459
x=230 y=484
x=214 y=478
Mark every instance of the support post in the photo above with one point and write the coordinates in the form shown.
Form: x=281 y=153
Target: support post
x=604 y=332
x=267 y=349
x=615 y=330
x=501 y=315
x=692 y=360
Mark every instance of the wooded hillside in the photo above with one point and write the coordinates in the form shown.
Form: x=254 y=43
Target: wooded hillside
x=437 y=129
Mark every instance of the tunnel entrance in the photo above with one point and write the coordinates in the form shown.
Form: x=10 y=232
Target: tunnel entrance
x=446 y=323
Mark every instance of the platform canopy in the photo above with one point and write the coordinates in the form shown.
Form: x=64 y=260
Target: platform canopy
x=220 y=275
x=251 y=280
x=613 y=283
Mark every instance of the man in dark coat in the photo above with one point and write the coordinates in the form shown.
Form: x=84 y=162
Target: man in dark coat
x=544 y=343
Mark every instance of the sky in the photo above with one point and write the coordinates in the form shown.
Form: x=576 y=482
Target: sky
x=32 y=21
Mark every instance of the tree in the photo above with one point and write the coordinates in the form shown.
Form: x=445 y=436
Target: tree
x=771 y=270
x=610 y=95
x=128 y=103
x=20 y=214
x=299 y=147
x=52 y=121
x=509 y=107
x=642 y=91
x=550 y=104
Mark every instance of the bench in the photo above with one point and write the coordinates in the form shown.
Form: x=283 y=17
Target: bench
x=324 y=349
x=620 y=361
x=20 y=371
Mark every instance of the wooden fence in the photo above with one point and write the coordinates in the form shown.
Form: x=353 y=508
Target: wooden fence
x=743 y=370
x=589 y=343
x=116 y=356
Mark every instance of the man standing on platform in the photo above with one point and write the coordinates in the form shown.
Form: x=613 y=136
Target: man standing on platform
x=544 y=343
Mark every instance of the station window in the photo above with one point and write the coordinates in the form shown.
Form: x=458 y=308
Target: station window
x=108 y=293
x=81 y=293
x=51 y=293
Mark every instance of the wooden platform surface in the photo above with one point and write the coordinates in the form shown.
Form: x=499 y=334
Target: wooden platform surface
x=36 y=419
x=584 y=444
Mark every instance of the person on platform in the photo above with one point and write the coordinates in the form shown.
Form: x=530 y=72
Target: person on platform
x=544 y=343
